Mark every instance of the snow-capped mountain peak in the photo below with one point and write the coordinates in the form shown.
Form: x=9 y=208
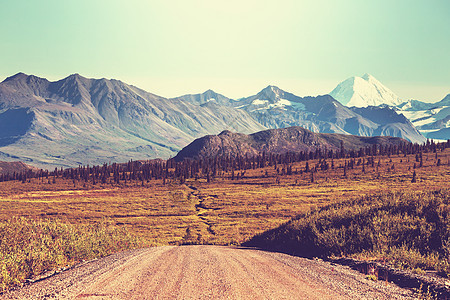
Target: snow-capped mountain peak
x=273 y=97
x=364 y=91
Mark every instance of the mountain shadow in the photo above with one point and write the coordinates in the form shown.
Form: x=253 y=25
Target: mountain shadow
x=14 y=123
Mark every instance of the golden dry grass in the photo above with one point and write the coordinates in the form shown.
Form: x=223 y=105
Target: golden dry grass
x=221 y=212
x=29 y=248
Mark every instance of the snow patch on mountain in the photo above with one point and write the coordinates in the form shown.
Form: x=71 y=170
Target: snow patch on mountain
x=259 y=102
x=284 y=102
x=364 y=91
x=280 y=104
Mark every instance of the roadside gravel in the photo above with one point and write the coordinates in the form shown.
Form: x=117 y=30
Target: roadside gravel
x=208 y=272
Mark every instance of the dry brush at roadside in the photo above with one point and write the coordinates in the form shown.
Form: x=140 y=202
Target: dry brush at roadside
x=29 y=248
x=407 y=230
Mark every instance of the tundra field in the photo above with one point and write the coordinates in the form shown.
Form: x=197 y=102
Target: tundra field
x=221 y=212
x=224 y=211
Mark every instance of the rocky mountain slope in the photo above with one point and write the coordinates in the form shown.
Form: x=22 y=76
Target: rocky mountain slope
x=291 y=139
x=78 y=120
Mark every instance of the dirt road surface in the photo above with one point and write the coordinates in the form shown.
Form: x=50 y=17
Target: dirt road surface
x=207 y=272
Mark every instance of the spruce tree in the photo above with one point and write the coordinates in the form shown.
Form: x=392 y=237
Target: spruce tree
x=414 y=179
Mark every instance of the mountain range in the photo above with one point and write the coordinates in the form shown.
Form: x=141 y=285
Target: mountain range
x=77 y=120
x=275 y=108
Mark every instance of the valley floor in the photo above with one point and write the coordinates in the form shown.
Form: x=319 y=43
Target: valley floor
x=224 y=211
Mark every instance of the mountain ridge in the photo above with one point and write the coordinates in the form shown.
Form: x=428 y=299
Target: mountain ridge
x=205 y=97
x=276 y=108
x=431 y=119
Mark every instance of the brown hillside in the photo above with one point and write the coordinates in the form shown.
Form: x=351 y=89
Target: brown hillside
x=16 y=166
x=292 y=139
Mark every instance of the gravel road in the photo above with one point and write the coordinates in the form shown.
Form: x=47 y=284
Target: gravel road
x=207 y=272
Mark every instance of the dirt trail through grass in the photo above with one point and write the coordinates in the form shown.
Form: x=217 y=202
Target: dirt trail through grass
x=201 y=208
x=208 y=272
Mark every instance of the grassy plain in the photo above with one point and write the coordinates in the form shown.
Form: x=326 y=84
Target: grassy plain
x=224 y=211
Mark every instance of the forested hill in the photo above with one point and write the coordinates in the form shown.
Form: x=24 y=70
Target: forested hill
x=279 y=141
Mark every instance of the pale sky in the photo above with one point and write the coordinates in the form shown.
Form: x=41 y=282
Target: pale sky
x=236 y=48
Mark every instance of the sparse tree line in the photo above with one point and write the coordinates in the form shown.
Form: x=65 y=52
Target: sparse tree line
x=232 y=167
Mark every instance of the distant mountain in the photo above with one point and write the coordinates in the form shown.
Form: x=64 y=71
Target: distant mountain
x=390 y=123
x=364 y=91
x=15 y=167
x=275 y=108
x=431 y=119
x=78 y=120
x=206 y=97
x=291 y=139
x=270 y=97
